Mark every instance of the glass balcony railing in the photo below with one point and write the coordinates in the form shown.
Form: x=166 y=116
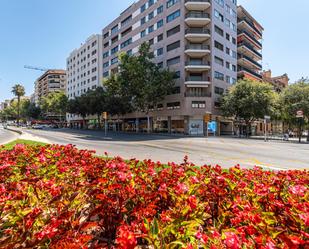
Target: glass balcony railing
x=193 y=14
x=250 y=24
x=249 y=71
x=197 y=63
x=251 y=60
x=251 y=36
x=197 y=1
x=197 y=47
x=197 y=31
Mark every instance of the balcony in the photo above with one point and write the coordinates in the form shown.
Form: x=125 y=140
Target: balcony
x=247 y=61
x=197 y=4
x=197 y=18
x=197 y=50
x=247 y=49
x=197 y=66
x=197 y=34
x=242 y=71
x=245 y=23
x=197 y=82
x=250 y=38
x=197 y=95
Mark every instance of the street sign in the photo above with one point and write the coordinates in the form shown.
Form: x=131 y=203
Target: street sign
x=207 y=117
x=267 y=117
x=299 y=114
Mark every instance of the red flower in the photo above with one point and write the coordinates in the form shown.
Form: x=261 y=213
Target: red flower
x=126 y=239
x=192 y=202
x=232 y=240
x=298 y=190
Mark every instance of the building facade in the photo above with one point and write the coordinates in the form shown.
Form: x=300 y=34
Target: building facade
x=196 y=39
x=278 y=82
x=50 y=81
x=249 y=49
x=84 y=70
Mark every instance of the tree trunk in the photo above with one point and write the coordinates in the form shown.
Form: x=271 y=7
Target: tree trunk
x=18 y=109
x=148 y=123
x=99 y=122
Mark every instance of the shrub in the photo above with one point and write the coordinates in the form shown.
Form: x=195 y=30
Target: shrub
x=60 y=197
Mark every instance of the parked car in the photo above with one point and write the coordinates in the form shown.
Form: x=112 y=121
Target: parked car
x=37 y=127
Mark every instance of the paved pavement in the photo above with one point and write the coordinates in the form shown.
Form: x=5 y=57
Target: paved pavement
x=7 y=136
x=226 y=152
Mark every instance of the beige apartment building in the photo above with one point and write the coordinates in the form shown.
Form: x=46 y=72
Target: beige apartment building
x=50 y=81
x=195 y=38
x=249 y=41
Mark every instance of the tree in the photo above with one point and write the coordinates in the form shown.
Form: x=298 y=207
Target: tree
x=19 y=91
x=79 y=106
x=30 y=110
x=249 y=100
x=55 y=103
x=97 y=102
x=295 y=98
x=142 y=82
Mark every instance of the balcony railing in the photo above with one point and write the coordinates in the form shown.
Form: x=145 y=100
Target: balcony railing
x=197 y=63
x=251 y=60
x=249 y=71
x=198 y=79
x=249 y=46
x=192 y=14
x=251 y=36
x=250 y=24
x=197 y=1
x=190 y=94
x=197 y=31
x=197 y=47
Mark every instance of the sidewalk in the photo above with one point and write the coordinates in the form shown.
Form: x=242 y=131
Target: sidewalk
x=26 y=136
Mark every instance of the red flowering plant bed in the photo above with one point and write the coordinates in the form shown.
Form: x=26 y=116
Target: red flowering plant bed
x=60 y=197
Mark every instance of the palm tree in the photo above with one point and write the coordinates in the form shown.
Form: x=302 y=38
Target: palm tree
x=19 y=91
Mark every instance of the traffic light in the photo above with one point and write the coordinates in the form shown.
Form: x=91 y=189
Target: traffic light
x=207 y=117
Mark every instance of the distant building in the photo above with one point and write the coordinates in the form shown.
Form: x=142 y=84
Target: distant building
x=279 y=82
x=249 y=45
x=51 y=81
x=84 y=70
x=4 y=104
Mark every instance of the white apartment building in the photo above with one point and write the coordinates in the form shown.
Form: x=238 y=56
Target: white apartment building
x=84 y=69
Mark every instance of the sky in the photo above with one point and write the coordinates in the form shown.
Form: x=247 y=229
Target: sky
x=42 y=33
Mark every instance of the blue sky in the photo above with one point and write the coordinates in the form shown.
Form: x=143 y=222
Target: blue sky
x=43 y=32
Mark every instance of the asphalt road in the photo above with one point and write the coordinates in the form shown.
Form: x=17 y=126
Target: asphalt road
x=226 y=152
x=7 y=136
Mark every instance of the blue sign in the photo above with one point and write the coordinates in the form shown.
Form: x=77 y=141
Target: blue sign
x=212 y=126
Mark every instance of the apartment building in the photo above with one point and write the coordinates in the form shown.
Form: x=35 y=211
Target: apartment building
x=278 y=82
x=84 y=70
x=249 y=45
x=50 y=81
x=195 y=38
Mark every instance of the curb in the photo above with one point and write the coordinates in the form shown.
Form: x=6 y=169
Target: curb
x=16 y=131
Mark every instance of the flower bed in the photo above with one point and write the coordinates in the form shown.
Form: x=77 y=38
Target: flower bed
x=60 y=197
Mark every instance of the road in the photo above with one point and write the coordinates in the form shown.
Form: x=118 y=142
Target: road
x=7 y=136
x=226 y=152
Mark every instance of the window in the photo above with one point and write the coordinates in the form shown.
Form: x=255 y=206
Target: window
x=159 y=51
x=173 y=105
x=234 y=68
x=126 y=21
x=173 y=31
x=228 y=79
x=219 y=76
x=219 y=16
x=106 y=54
x=173 y=16
x=228 y=51
x=160 y=64
x=143 y=8
x=173 y=46
x=151 y=41
x=227 y=22
x=114 y=50
x=127 y=31
x=177 y=75
x=173 y=61
x=227 y=36
x=219 y=90
x=150 y=16
x=113 y=61
x=143 y=20
x=106 y=64
x=220 y=2
x=218 y=30
x=114 y=29
x=234 y=2
x=228 y=65
x=234 y=40
x=106 y=35
x=160 y=37
x=234 y=54
x=94 y=78
x=160 y=10
x=115 y=39
x=160 y=23
x=143 y=33
x=150 y=2
x=170 y=3
x=106 y=44
x=150 y=29
x=218 y=45
x=219 y=61
x=198 y=104
x=126 y=43
x=160 y=107
x=129 y=52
